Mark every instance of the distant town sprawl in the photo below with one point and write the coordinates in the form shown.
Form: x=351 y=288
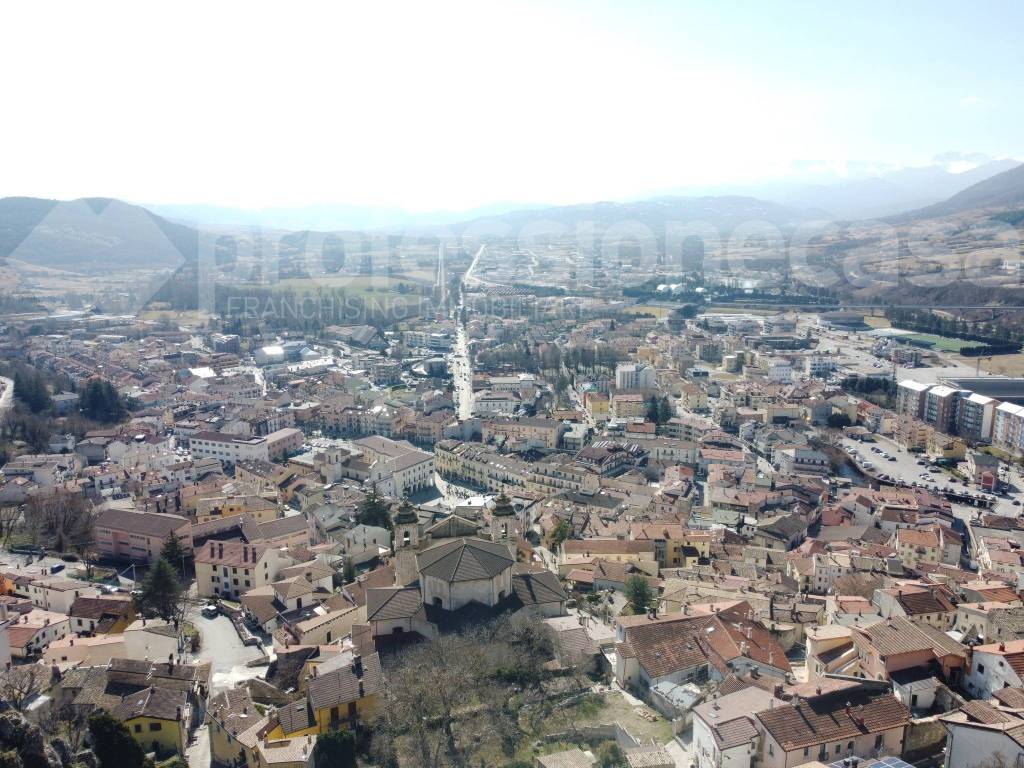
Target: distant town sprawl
x=654 y=526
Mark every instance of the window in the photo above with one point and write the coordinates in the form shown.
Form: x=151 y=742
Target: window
x=138 y=728
x=849 y=747
x=980 y=669
x=878 y=741
x=839 y=747
x=155 y=726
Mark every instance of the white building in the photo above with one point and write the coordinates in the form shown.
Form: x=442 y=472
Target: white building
x=994 y=667
x=228 y=449
x=635 y=376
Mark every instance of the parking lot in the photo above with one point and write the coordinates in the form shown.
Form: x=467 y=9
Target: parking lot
x=885 y=457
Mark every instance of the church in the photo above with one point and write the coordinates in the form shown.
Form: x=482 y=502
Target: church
x=456 y=572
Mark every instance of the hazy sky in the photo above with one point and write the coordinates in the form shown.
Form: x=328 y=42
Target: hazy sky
x=448 y=105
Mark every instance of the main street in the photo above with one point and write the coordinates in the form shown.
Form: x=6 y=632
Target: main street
x=7 y=396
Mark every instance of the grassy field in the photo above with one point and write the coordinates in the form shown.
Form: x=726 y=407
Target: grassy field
x=658 y=312
x=1002 y=365
x=191 y=318
x=877 y=322
x=365 y=284
x=940 y=343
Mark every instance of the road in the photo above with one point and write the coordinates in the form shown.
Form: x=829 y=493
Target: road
x=224 y=650
x=469 y=277
x=462 y=375
x=7 y=397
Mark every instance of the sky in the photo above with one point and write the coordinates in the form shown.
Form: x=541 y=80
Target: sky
x=447 y=106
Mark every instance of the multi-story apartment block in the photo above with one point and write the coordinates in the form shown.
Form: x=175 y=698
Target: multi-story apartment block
x=635 y=376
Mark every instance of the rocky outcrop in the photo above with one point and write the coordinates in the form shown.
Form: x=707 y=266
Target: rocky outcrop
x=23 y=745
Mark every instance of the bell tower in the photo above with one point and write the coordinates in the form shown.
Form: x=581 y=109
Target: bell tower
x=406 y=525
x=503 y=522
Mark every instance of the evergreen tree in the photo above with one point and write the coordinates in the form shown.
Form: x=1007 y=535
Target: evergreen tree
x=336 y=749
x=173 y=552
x=99 y=401
x=160 y=592
x=664 y=410
x=30 y=389
x=652 y=409
x=113 y=745
x=374 y=510
x=638 y=594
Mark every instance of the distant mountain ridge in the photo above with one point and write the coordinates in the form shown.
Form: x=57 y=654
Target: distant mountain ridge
x=97 y=234
x=1004 y=190
x=93 y=233
x=723 y=211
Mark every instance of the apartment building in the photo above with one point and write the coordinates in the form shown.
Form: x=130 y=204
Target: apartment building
x=126 y=534
x=535 y=432
x=910 y=398
x=635 y=376
x=229 y=449
x=975 y=417
x=229 y=569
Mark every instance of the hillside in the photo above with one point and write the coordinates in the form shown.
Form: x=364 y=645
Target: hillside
x=891 y=193
x=1004 y=190
x=91 y=235
x=725 y=212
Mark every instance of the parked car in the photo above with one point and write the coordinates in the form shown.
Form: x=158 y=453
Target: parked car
x=210 y=610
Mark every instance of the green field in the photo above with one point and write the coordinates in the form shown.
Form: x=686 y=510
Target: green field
x=351 y=283
x=941 y=343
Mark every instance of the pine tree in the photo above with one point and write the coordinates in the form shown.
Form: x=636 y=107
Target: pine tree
x=112 y=743
x=160 y=592
x=173 y=552
x=374 y=510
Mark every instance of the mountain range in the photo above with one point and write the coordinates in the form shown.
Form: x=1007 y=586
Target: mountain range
x=96 y=234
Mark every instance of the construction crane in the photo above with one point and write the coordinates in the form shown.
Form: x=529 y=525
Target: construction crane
x=977 y=365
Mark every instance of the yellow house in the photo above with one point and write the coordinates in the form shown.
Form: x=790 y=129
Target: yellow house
x=241 y=736
x=597 y=405
x=157 y=718
x=341 y=691
x=220 y=507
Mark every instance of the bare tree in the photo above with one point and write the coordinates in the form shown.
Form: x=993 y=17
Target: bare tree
x=446 y=698
x=10 y=516
x=21 y=683
x=61 y=521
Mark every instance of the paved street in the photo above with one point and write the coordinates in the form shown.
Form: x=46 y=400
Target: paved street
x=222 y=647
x=7 y=397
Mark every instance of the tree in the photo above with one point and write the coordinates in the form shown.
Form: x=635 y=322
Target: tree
x=374 y=510
x=560 y=532
x=60 y=521
x=664 y=410
x=30 y=389
x=838 y=420
x=652 y=409
x=348 y=571
x=609 y=755
x=19 y=684
x=638 y=593
x=336 y=749
x=113 y=745
x=173 y=552
x=99 y=401
x=160 y=592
